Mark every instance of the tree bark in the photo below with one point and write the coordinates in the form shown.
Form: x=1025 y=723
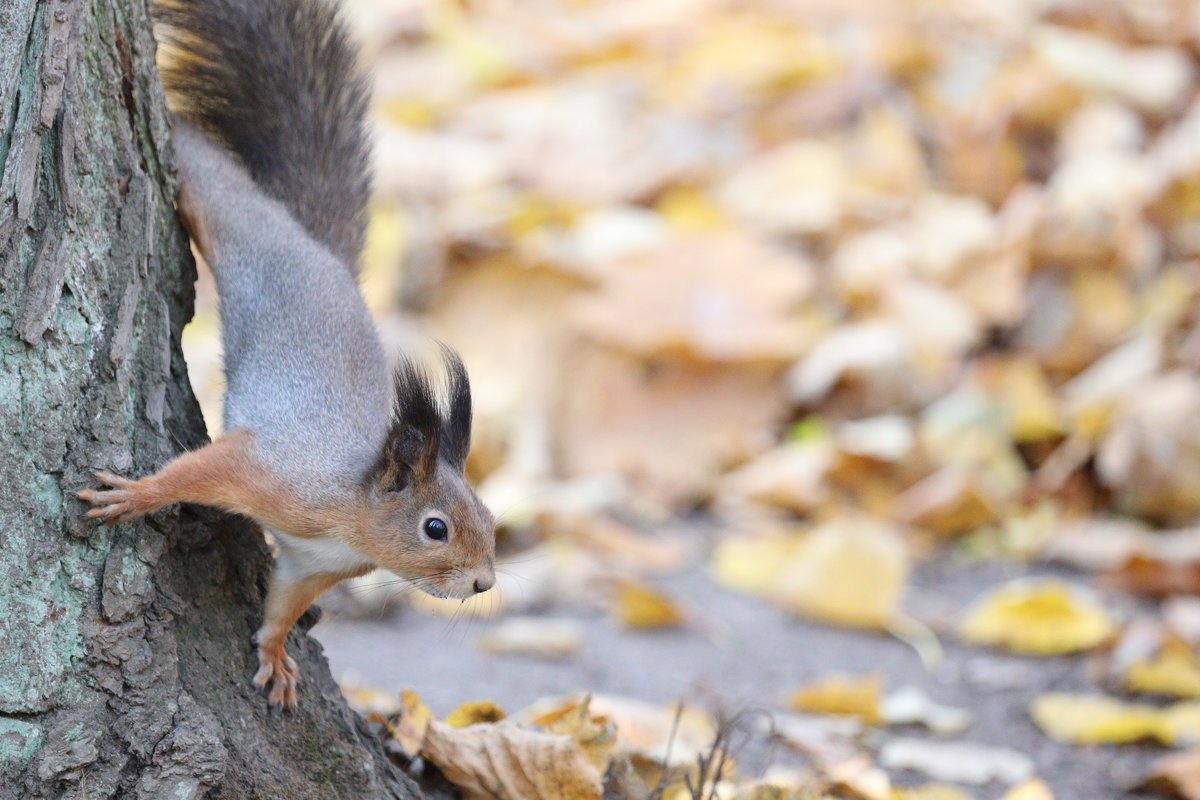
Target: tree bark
x=125 y=652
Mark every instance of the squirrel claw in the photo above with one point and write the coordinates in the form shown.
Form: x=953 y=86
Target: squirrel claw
x=280 y=670
x=122 y=503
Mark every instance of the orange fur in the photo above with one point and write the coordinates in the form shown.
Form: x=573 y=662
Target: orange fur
x=225 y=475
x=286 y=603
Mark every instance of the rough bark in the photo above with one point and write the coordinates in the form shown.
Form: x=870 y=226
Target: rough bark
x=125 y=652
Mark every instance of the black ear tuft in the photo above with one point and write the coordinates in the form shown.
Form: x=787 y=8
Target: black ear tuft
x=456 y=427
x=410 y=452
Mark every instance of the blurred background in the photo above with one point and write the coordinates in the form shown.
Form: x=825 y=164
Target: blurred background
x=837 y=359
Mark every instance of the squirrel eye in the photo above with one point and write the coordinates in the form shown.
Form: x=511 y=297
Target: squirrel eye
x=436 y=529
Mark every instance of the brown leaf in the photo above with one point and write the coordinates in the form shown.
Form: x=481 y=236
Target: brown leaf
x=505 y=761
x=1176 y=775
x=1152 y=577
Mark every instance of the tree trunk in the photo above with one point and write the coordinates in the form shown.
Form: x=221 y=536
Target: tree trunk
x=125 y=652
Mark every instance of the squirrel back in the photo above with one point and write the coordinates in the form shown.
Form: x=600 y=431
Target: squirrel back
x=276 y=83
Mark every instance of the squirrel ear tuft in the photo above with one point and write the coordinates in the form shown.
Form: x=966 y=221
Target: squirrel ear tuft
x=456 y=428
x=410 y=452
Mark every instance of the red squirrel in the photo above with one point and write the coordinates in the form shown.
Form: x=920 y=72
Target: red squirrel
x=347 y=467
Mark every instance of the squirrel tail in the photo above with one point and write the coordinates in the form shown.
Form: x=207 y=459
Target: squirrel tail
x=276 y=83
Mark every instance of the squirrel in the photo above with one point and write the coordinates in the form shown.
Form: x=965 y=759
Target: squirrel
x=348 y=467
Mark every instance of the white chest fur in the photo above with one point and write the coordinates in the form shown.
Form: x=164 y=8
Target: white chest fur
x=301 y=557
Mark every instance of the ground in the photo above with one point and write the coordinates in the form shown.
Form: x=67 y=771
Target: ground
x=750 y=655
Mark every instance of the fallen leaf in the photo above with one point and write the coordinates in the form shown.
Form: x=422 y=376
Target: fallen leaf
x=912 y=706
x=789 y=477
x=669 y=431
x=410 y=729
x=664 y=735
x=843 y=695
x=367 y=701
x=596 y=734
x=639 y=606
x=1154 y=577
x=692 y=298
x=948 y=502
x=852 y=571
x=1173 y=671
x=536 y=637
x=857 y=777
x=483 y=711
x=506 y=761
x=960 y=762
x=1176 y=775
x=932 y=791
x=1096 y=719
x=754 y=563
x=1030 y=790
x=1039 y=617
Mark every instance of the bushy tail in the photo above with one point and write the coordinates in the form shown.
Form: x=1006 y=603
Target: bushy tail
x=276 y=82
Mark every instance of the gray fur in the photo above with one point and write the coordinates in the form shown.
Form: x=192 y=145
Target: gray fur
x=304 y=367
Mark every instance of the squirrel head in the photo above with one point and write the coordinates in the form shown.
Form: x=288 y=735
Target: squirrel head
x=424 y=521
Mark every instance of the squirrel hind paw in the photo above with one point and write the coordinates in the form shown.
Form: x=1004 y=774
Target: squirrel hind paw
x=280 y=671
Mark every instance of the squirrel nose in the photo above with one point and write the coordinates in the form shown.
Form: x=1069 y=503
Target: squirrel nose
x=483 y=584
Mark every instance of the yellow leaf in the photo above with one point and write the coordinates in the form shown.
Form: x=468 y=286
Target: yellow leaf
x=642 y=607
x=1030 y=790
x=366 y=700
x=753 y=564
x=689 y=209
x=1096 y=719
x=847 y=696
x=409 y=731
x=388 y=240
x=595 y=733
x=1043 y=618
x=483 y=711
x=409 y=113
x=931 y=791
x=852 y=572
x=1031 y=407
x=1174 y=671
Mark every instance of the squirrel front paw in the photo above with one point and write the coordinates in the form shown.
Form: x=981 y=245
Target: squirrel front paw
x=127 y=500
x=280 y=670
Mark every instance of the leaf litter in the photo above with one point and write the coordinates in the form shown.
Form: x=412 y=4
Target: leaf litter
x=814 y=294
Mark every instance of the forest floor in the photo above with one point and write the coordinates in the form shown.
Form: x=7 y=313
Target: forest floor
x=751 y=656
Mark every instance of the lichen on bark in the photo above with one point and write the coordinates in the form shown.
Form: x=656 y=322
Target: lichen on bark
x=125 y=652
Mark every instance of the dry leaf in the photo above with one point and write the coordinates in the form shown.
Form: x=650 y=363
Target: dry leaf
x=1176 y=775
x=852 y=571
x=663 y=735
x=961 y=762
x=536 y=637
x=932 y=791
x=410 y=729
x=1030 y=790
x=1155 y=577
x=948 y=502
x=1174 y=671
x=506 y=761
x=754 y=563
x=639 y=606
x=846 y=696
x=693 y=298
x=1096 y=719
x=368 y=701
x=1038 y=617
x=790 y=477
x=476 y=713
x=911 y=706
